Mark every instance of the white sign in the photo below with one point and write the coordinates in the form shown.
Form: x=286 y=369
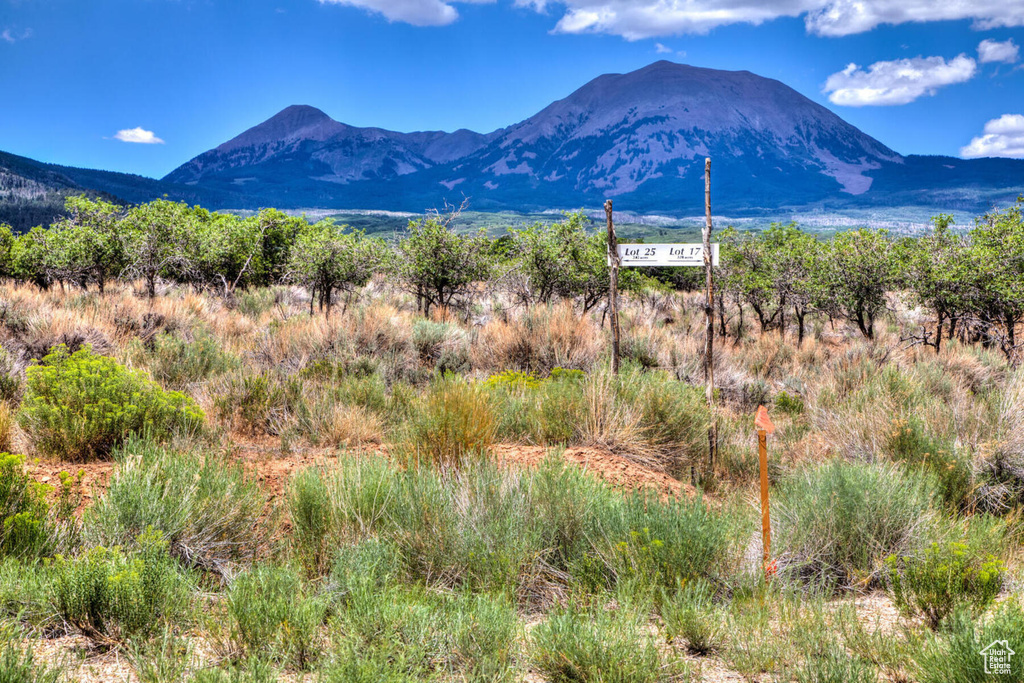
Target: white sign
x=665 y=255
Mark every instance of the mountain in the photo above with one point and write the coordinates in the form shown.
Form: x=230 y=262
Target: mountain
x=32 y=192
x=640 y=138
x=301 y=145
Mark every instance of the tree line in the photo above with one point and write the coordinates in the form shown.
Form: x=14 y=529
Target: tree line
x=970 y=281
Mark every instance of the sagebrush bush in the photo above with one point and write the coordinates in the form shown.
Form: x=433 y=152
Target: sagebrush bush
x=107 y=593
x=177 y=362
x=946 y=577
x=836 y=522
x=207 y=510
x=489 y=528
x=80 y=406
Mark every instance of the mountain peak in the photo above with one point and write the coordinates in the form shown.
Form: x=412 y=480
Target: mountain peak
x=302 y=114
x=297 y=122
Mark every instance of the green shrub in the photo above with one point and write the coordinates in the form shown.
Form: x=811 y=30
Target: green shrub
x=409 y=634
x=207 y=510
x=791 y=404
x=836 y=522
x=690 y=613
x=271 y=611
x=512 y=379
x=455 y=423
x=947 y=577
x=23 y=509
x=107 y=593
x=665 y=542
x=176 y=362
x=258 y=404
x=80 y=406
x=907 y=441
x=596 y=645
x=951 y=654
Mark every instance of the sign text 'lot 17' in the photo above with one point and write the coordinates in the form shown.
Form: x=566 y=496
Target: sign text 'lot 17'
x=634 y=255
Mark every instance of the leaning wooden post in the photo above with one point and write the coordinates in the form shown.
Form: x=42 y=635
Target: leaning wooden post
x=613 y=285
x=764 y=428
x=709 y=327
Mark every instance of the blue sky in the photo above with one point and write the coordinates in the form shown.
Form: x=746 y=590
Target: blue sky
x=177 y=77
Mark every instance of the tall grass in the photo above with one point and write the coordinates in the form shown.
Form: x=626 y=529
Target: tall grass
x=493 y=529
x=836 y=522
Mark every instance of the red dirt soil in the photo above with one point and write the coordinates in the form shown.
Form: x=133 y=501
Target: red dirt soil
x=273 y=467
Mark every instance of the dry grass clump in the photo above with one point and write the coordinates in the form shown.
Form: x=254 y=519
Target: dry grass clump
x=454 y=423
x=610 y=423
x=8 y=425
x=540 y=339
x=351 y=426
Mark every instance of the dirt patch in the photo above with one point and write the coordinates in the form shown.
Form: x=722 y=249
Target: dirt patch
x=91 y=478
x=273 y=466
x=614 y=469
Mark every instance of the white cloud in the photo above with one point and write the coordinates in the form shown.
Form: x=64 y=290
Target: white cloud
x=12 y=36
x=994 y=51
x=662 y=49
x=139 y=135
x=1002 y=137
x=897 y=82
x=415 y=12
x=639 y=19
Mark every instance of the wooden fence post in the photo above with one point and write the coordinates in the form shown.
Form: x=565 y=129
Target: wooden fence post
x=613 y=285
x=709 y=327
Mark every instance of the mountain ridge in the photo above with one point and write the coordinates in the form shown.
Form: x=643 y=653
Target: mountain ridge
x=639 y=137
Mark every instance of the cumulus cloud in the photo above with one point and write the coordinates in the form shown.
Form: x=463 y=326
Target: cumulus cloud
x=138 y=135
x=638 y=19
x=1002 y=137
x=415 y=12
x=994 y=51
x=662 y=49
x=897 y=82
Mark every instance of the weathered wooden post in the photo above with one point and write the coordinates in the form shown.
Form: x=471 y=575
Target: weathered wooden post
x=709 y=327
x=764 y=427
x=613 y=285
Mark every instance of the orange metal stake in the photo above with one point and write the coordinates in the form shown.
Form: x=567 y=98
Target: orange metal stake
x=766 y=524
x=764 y=428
